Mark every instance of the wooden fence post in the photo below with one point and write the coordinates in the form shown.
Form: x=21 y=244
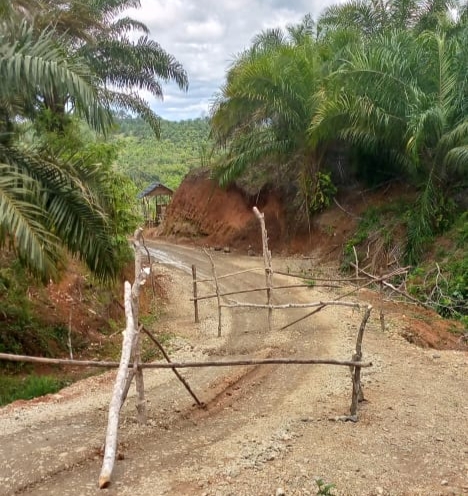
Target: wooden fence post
x=140 y=277
x=118 y=393
x=215 y=277
x=267 y=262
x=356 y=373
x=195 y=300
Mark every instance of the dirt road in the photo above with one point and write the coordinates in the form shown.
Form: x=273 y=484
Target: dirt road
x=266 y=430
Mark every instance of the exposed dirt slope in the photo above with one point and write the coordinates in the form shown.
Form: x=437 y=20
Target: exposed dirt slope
x=203 y=212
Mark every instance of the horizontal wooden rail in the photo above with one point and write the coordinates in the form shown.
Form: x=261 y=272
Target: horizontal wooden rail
x=312 y=278
x=293 y=305
x=289 y=286
x=231 y=274
x=182 y=365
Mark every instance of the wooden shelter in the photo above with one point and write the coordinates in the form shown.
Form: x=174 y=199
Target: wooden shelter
x=155 y=211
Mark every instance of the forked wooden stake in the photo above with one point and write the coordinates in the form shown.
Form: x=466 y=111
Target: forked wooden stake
x=117 y=395
x=356 y=374
x=215 y=277
x=267 y=263
x=195 y=293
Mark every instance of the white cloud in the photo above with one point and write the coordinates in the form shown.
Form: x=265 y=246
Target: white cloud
x=205 y=36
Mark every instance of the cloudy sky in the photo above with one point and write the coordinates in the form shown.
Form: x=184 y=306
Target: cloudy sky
x=205 y=35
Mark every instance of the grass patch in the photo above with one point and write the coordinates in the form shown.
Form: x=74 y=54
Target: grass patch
x=13 y=387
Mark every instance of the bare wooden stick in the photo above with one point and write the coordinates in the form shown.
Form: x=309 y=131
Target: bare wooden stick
x=140 y=277
x=69 y=342
x=381 y=310
x=166 y=356
x=195 y=297
x=357 y=387
x=346 y=211
x=357 y=261
x=391 y=286
x=206 y=297
x=320 y=308
x=267 y=263
x=185 y=365
x=293 y=305
x=265 y=361
x=213 y=270
x=59 y=361
x=153 y=284
x=117 y=395
x=302 y=276
x=232 y=274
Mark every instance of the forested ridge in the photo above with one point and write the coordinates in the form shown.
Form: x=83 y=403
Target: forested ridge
x=182 y=146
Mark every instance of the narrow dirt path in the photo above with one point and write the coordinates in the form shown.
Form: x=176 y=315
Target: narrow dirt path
x=266 y=430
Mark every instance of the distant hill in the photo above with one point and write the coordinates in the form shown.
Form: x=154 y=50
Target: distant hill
x=145 y=159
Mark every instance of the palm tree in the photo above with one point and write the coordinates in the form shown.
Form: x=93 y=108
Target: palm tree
x=46 y=205
x=97 y=33
x=402 y=99
x=262 y=112
x=373 y=17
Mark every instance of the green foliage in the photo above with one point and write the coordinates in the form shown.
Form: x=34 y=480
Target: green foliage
x=262 y=113
x=145 y=159
x=116 y=55
x=385 y=82
x=432 y=214
x=380 y=231
x=320 y=192
x=20 y=331
x=443 y=281
x=372 y=221
x=14 y=388
x=59 y=66
x=14 y=282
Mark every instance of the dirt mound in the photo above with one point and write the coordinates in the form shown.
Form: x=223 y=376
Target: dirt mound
x=206 y=214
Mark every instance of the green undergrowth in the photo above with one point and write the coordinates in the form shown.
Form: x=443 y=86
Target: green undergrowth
x=439 y=279
x=378 y=237
x=23 y=303
x=15 y=387
x=21 y=332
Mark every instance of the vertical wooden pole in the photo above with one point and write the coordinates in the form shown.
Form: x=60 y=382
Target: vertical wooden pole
x=357 y=394
x=381 y=314
x=357 y=263
x=267 y=263
x=215 y=277
x=195 y=292
x=118 y=393
x=140 y=276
